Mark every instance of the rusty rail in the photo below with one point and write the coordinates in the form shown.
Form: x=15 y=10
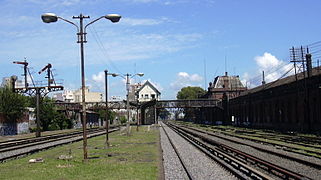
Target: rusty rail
x=225 y=152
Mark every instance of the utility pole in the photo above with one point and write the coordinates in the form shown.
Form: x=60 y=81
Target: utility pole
x=82 y=40
x=106 y=116
x=81 y=33
x=127 y=103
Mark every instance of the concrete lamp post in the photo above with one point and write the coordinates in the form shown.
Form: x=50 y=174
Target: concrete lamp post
x=128 y=76
x=106 y=97
x=81 y=33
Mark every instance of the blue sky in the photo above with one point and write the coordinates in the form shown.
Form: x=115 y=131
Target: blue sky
x=169 y=41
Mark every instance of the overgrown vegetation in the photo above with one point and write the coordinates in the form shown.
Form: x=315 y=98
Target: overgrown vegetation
x=12 y=105
x=129 y=157
x=111 y=115
x=122 y=119
x=50 y=117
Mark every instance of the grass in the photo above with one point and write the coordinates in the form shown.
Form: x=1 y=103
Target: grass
x=133 y=157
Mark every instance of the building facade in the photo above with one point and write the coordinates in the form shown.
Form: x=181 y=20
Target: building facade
x=230 y=85
x=76 y=96
x=291 y=103
x=147 y=92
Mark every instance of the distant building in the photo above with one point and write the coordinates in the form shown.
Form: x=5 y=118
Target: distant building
x=76 y=96
x=147 y=92
x=7 y=82
x=132 y=96
x=230 y=85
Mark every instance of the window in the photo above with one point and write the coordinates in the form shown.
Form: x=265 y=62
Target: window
x=146 y=96
x=153 y=96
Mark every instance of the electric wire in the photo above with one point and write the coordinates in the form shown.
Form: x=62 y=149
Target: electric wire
x=257 y=79
x=279 y=78
x=102 y=48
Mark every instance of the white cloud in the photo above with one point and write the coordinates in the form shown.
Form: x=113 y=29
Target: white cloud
x=99 y=78
x=267 y=61
x=273 y=68
x=141 y=22
x=184 y=79
x=145 y=46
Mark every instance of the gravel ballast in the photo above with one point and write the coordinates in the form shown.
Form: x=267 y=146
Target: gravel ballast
x=197 y=163
x=297 y=167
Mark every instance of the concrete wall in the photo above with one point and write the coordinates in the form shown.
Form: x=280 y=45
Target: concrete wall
x=19 y=126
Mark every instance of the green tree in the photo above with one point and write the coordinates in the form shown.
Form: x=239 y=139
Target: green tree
x=163 y=113
x=123 y=119
x=190 y=93
x=48 y=113
x=60 y=121
x=50 y=117
x=111 y=115
x=12 y=105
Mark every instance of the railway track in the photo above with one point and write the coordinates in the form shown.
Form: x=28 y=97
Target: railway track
x=241 y=164
x=17 y=148
x=178 y=155
x=281 y=140
x=183 y=160
x=305 y=162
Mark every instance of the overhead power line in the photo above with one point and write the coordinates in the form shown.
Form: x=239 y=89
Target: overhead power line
x=103 y=50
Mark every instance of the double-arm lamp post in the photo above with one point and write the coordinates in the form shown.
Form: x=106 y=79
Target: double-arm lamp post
x=128 y=76
x=81 y=33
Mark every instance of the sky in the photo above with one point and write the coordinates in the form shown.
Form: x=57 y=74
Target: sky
x=174 y=43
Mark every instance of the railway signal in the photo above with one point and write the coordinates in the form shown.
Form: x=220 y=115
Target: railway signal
x=37 y=91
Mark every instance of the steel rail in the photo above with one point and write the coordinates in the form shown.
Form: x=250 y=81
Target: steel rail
x=309 y=163
x=221 y=149
x=12 y=143
x=231 y=164
x=52 y=139
x=178 y=155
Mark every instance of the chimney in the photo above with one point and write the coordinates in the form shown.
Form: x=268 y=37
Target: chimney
x=225 y=73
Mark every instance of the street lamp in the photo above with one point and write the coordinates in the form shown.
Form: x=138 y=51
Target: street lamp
x=127 y=78
x=81 y=33
x=106 y=96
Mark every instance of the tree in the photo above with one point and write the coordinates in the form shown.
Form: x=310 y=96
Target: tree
x=163 y=113
x=111 y=115
x=190 y=93
x=50 y=117
x=122 y=119
x=12 y=105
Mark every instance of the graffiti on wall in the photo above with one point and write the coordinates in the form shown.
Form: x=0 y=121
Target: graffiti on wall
x=23 y=128
x=8 y=129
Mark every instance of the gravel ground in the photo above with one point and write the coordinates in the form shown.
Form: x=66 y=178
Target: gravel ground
x=198 y=164
x=42 y=146
x=288 y=164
